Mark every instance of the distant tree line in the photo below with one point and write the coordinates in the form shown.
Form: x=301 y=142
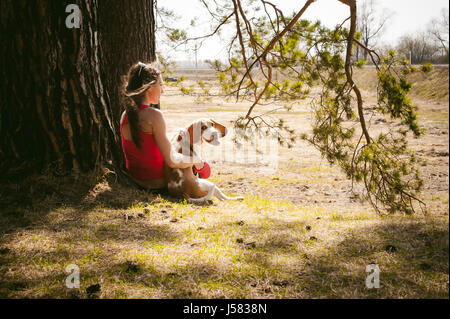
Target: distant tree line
x=428 y=45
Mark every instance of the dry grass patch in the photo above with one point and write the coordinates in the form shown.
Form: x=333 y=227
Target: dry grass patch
x=426 y=86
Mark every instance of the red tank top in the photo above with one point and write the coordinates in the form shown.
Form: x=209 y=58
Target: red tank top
x=145 y=162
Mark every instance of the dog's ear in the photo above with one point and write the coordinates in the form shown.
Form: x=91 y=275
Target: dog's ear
x=220 y=127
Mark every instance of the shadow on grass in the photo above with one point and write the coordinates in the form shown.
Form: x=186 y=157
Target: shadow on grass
x=417 y=267
x=85 y=213
x=114 y=278
x=26 y=202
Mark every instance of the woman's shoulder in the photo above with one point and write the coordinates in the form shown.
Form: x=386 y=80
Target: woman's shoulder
x=151 y=113
x=151 y=116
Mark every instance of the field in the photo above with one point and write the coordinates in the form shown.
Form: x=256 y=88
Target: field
x=298 y=233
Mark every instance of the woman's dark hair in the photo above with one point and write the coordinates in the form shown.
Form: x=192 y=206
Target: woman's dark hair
x=140 y=77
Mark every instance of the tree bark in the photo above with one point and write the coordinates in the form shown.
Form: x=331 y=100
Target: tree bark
x=127 y=31
x=60 y=100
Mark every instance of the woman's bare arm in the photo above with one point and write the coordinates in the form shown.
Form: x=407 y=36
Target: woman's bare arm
x=172 y=158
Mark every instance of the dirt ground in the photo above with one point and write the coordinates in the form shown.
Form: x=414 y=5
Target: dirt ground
x=322 y=185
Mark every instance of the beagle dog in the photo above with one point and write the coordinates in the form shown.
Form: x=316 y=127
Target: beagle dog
x=182 y=182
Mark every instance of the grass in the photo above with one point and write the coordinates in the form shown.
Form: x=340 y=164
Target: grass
x=146 y=246
x=426 y=86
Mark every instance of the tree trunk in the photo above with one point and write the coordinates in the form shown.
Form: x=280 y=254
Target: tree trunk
x=60 y=104
x=127 y=31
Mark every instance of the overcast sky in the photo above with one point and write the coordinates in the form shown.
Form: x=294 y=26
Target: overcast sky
x=407 y=16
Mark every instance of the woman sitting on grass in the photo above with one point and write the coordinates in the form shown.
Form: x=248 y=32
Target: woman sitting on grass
x=143 y=130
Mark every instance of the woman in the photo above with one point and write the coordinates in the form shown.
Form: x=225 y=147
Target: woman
x=143 y=130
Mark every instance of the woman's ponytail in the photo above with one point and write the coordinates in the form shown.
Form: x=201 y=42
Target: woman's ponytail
x=132 y=108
